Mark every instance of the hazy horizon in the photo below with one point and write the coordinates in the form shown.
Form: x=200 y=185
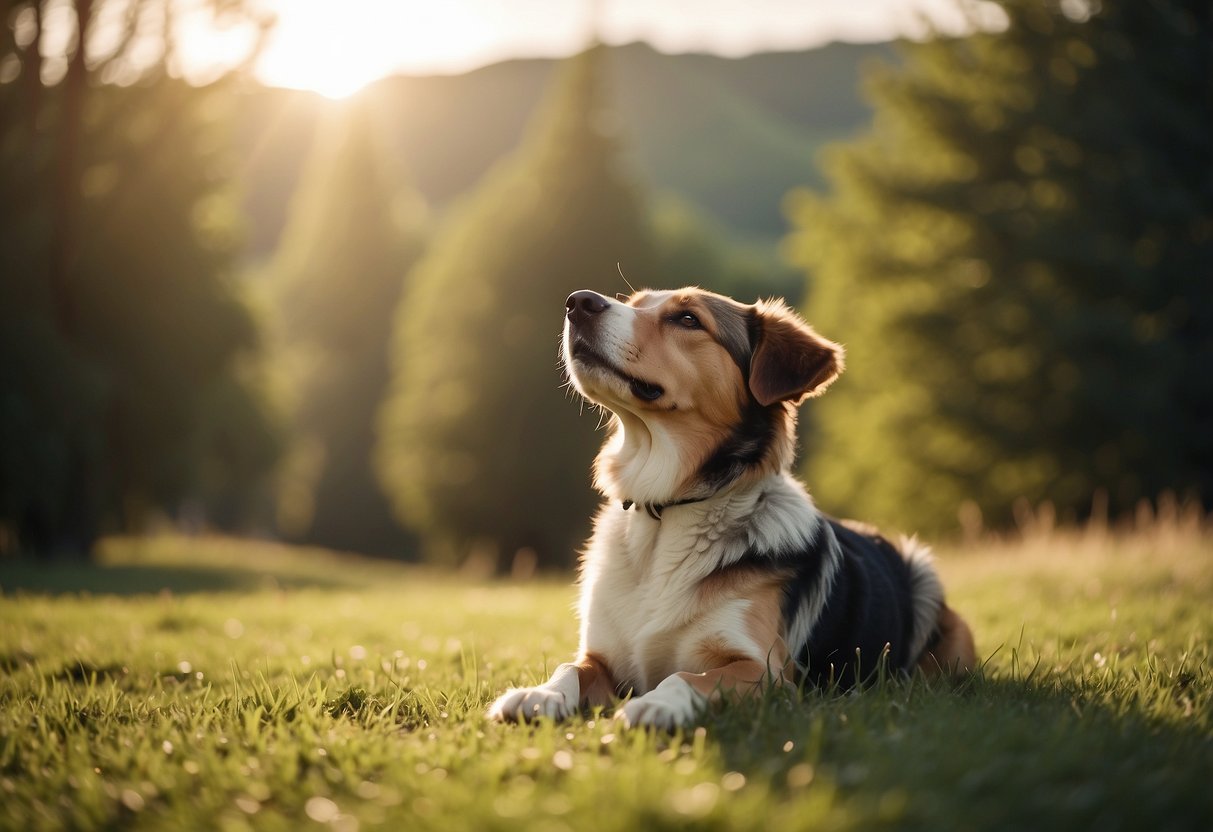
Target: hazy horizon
x=311 y=48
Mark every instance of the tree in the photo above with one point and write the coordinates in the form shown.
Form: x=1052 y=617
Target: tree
x=479 y=444
x=693 y=249
x=126 y=345
x=1018 y=258
x=354 y=232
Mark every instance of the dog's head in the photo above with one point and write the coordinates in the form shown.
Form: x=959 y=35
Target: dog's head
x=703 y=388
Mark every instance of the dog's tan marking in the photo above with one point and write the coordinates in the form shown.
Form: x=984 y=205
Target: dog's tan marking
x=735 y=582
x=594 y=681
x=743 y=677
x=791 y=360
x=955 y=651
x=689 y=363
x=764 y=624
x=715 y=652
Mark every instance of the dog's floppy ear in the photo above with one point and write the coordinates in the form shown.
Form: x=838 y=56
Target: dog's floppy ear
x=790 y=361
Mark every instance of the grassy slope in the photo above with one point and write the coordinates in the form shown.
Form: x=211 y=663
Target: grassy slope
x=292 y=687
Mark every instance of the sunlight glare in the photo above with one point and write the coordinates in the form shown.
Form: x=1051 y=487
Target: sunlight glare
x=310 y=49
x=335 y=49
x=338 y=53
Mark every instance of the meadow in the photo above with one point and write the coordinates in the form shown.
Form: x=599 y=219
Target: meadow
x=182 y=683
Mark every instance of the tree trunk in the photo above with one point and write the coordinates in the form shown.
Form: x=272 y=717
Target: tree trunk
x=65 y=208
x=33 y=71
x=78 y=531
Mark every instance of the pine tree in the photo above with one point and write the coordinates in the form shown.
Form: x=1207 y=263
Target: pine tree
x=353 y=233
x=1018 y=257
x=694 y=249
x=480 y=445
x=124 y=339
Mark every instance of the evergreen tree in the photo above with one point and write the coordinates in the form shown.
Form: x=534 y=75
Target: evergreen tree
x=693 y=249
x=1019 y=259
x=124 y=341
x=480 y=444
x=353 y=233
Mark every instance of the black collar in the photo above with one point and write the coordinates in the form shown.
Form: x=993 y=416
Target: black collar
x=654 y=509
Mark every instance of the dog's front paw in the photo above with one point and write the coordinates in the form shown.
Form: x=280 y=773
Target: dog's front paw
x=672 y=704
x=530 y=704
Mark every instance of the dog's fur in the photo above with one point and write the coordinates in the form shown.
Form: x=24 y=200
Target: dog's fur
x=710 y=571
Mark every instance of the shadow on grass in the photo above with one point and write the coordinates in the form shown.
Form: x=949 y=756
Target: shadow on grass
x=66 y=578
x=1053 y=753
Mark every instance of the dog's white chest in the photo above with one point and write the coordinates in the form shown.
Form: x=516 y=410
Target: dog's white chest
x=640 y=609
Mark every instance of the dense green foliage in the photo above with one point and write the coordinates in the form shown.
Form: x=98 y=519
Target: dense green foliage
x=272 y=687
x=481 y=447
x=1018 y=258
x=355 y=230
x=127 y=380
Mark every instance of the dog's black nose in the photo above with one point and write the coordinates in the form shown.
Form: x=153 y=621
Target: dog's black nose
x=583 y=305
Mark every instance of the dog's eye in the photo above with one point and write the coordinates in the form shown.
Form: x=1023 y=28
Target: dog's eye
x=688 y=320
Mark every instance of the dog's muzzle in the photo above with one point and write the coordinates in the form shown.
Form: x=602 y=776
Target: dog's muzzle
x=584 y=309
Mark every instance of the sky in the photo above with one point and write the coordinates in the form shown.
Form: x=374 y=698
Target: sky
x=315 y=47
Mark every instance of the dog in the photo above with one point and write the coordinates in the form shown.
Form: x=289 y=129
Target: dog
x=710 y=573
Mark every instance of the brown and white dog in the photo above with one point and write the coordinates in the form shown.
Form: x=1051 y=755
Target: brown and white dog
x=710 y=571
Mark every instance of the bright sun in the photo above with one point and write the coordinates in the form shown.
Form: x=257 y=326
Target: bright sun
x=336 y=49
x=330 y=53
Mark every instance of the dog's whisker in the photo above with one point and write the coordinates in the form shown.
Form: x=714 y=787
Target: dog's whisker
x=626 y=282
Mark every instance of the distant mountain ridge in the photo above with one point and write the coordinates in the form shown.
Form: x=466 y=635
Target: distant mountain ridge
x=729 y=136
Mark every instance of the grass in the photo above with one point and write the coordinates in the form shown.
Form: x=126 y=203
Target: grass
x=218 y=684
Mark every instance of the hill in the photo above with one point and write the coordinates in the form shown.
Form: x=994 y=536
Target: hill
x=730 y=136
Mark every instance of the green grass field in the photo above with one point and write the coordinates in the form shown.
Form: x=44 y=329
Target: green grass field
x=217 y=684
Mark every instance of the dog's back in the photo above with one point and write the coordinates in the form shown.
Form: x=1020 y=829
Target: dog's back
x=869 y=613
